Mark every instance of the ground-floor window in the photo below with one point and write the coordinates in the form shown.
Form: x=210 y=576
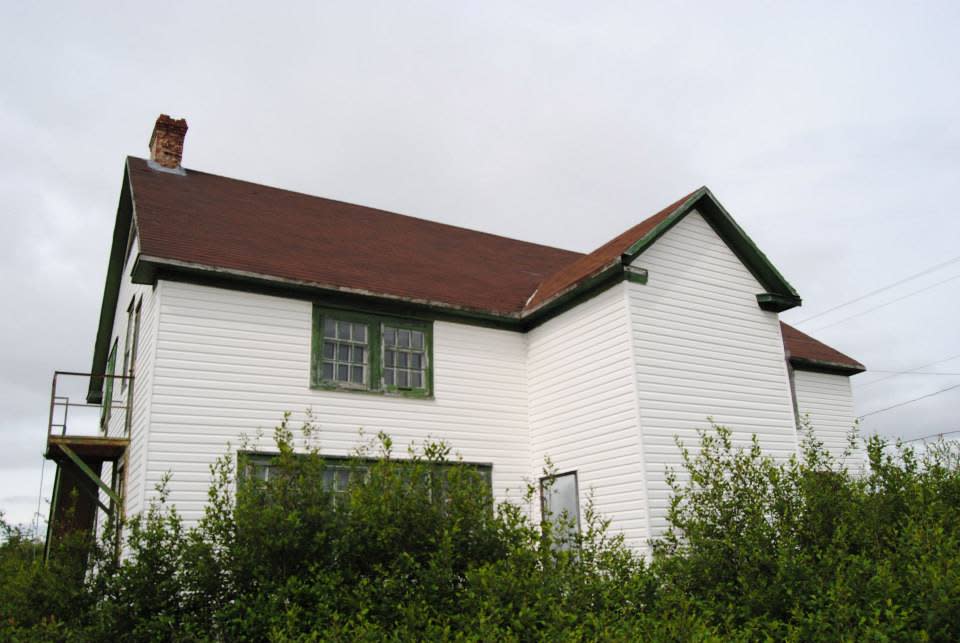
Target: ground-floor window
x=560 y=504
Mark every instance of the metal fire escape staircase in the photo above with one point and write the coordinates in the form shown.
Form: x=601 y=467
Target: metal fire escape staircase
x=80 y=458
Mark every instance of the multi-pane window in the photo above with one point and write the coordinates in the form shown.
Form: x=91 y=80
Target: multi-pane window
x=372 y=353
x=404 y=357
x=338 y=473
x=346 y=352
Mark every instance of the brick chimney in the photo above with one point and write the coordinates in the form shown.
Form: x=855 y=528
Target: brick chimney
x=166 y=142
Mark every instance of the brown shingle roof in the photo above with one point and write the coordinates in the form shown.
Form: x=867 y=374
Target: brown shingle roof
x=804 y=350
x=588 y=265
x=212 y=221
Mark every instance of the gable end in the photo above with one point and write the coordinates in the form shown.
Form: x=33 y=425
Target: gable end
x=779 y=295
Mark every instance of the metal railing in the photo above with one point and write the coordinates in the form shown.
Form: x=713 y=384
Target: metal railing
x=61 y=404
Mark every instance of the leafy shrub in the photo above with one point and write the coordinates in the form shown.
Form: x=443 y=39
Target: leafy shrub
x=416 y=548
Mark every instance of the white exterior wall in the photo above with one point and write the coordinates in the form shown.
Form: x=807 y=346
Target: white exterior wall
x=703 y=348
x=826 y=400
x=583 y=408
x=229 y=363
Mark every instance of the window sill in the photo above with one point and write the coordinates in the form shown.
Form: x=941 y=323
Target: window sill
x=413 y=394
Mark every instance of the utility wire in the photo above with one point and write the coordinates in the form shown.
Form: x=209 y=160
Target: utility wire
x=881 y=289
x=916 y=399
x=932 y=435
x=874 y=370
x=907 y=372
x=893 y=301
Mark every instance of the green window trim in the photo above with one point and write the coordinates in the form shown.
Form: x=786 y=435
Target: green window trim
x=339 y=469
x=373 y=380
x=107 y=404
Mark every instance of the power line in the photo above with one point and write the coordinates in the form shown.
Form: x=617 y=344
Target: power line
x=874 y=370
x=941 y=361
x=916 y=399
x=870 y=310
x=932 y=435
x=882 y=289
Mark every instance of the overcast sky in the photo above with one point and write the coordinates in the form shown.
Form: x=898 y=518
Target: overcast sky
x=829 y=130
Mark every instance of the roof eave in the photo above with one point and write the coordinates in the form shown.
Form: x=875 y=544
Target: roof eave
x=825 y=366
x=148 y=269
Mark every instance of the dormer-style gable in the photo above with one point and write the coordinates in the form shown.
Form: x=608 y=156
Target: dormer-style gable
x=616 y=255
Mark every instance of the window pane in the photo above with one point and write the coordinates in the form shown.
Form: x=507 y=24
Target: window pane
x=416 y=380
x=328 y=475
x=327 y=370
x=388 y=378
x=343 y=373
x=358 y=355
x=416 y=339
x=416 y=359
x=343 y=351
x=343 y=479
x=402 y=379
x=402 y=360
x=359 y=333
x=343 y=330
x=329 y=349
x=403 y=338
x=389 y=336
x=329 y=327
x=561 y=502
x=388 y=358
x=356 y=374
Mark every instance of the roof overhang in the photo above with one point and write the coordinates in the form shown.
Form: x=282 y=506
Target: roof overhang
x=822 y=366
x=111 y=289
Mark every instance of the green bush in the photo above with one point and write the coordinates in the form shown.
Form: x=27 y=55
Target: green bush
x=416 y=548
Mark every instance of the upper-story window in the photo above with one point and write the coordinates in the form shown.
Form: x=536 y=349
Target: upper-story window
x=355 y=351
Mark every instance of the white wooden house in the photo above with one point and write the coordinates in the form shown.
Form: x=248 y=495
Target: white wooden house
x=228 y=303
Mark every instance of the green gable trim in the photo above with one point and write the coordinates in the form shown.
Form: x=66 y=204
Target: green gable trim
x=111 y=289
x=733 y=235
x=635 y=275
x=776 y=303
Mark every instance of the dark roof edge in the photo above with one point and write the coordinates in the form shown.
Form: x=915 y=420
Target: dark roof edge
x=147 y=269
x=734 y=236
x=823 y=366
x=111 y=287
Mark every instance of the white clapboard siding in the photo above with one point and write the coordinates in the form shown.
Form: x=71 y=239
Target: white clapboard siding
x=583 y=411
x=825 y=401
x=230 y=363
x=703 y=348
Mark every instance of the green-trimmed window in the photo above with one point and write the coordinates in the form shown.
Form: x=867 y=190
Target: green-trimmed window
x=338 y=471
x=355 y=351
x=106 y=406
